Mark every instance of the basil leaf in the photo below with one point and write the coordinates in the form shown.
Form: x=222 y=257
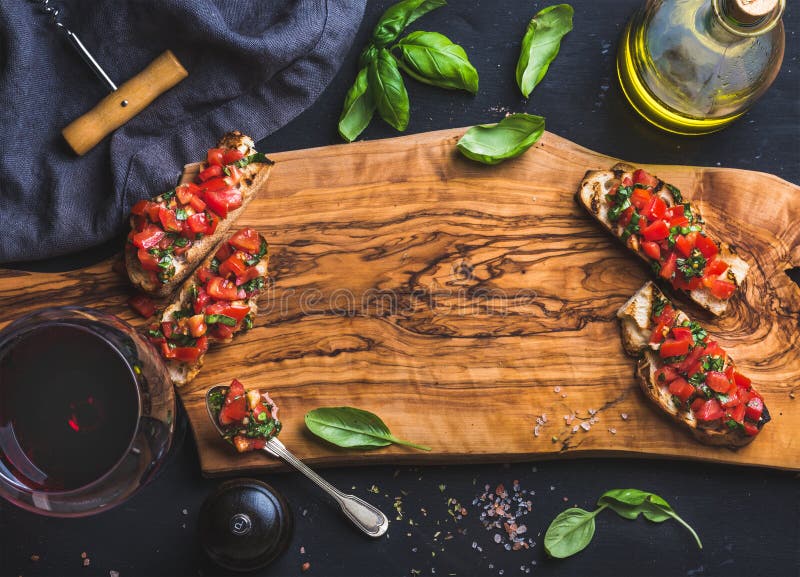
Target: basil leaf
x=629 y=503
x=389 y=92
x=398 y=16
x=494 y=143
x=358 y=108
x=432 y=58
x=541 y=43
x=367 y=55
x=570 y=532
x=220 y=319
x=352 y=428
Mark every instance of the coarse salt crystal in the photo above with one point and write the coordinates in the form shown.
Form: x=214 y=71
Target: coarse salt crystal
x=613 y=431
x=575 y=429
x=592 y=411
x=556 y=389
x=536 y=431
x=497 y=538
x=585 y=426
x=563 y=395
x=624 y=416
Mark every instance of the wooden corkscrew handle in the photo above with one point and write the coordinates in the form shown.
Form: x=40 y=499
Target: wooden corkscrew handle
x=124 y=103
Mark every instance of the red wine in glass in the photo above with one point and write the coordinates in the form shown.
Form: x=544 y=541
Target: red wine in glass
x=68 y=407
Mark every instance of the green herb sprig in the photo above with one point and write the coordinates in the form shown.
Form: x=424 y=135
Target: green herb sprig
x=541 y=44
x=572 y=530
x=428 y=57
x=353 y=428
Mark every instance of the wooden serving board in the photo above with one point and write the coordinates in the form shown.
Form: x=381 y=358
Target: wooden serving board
x=460 y=302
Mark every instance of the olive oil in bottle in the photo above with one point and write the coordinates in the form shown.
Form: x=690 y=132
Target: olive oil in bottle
x=694 y=66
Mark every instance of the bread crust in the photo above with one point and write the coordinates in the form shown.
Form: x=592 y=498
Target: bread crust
x=253 y=177
x=636 y=327
x=591 y=195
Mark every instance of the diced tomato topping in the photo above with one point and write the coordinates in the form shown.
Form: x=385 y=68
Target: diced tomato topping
x=221 y=201
x=755 y=407
x=221 y=289
x=234 y=408
x=655 y=209
x=232 y=155
x=714 y=350
x=722 y=289
x=741 y=380
x=197 y=325
x=214 y=171
x=216 y=156
x=167 y=327
x=677 y=216
x=224 y=251
x=665 y=375
x=197 y=204
x=707 y=246
x=142 y=305
x=750 y=429
x=140 y=208
x=715 y=267
x=625 y=216
x=204 y=275
x=198 y=223
x=186 y=191
x=249 y=274
x=221 y=331
x=683 y=245
x=681 y=333
x=187 y=354
x=200 y=301
x=733 y=400
x=673 y=348
x=236 y=389
x=668 y=267
x=697 y=404
x=652 y=249
x=167 y=351
x=246 y=444
x=168 y=220
x=718 y=381
x=149 y=237
x=147 y=260
x=247 y=240
x=667 y=315
x=709 y=411
x=736 y=413
x=640 y=198
x=234 y=175
x=641 y=176
x=236 y=311
x=681 y=389
x=234 y=265
x=656 y=231
x=688 y=364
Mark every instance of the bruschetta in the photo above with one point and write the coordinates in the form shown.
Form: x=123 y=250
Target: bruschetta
x=653 y=220
x=688 y=375
x=173 y=232
x=215 y=303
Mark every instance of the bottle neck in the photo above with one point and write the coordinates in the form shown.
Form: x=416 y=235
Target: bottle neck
x=734 y=21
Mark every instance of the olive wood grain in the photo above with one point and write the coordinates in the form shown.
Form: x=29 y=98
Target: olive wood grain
x=460 y=302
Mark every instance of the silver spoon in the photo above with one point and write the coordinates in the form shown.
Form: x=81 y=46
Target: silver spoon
x=363 y=515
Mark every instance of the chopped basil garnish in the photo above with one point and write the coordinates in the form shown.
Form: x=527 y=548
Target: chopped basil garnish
x=713 y=363
x=181 y=314
x=226 y=170
x=248 y=322
x=697 y=379
x=676 y=194
x=181 y=241
x=254 y=285
x=257 y=157
x=621 y=200
x=262 y=250
x=168 y=195
x=220 y=319
x=658 y=305
x=699 y=334
x=214 y=266
x=633 y=226
x=180 y=214
x=733 y=424
x=692 y=266
x=155 y=333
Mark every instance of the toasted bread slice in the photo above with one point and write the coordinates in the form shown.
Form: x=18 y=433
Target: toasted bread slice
x=592 y=196
x=637 y=327
x=252 y=178
x=183 y=372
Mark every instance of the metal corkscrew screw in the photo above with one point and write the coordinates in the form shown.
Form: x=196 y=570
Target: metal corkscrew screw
x=52 y=12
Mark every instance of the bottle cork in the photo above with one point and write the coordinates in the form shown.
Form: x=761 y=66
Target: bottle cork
x=750 y=11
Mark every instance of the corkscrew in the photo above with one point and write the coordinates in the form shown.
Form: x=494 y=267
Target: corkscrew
x=124 y=102
x=52 y=13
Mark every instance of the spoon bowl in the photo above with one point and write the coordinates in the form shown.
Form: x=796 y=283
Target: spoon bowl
x=366 y=517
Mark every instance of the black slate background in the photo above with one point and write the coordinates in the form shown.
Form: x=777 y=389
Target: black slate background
x=748 y=518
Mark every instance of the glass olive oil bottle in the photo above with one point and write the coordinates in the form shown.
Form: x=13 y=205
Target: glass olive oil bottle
x=694 y=66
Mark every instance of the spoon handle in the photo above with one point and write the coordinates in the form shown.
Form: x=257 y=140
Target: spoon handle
x=366 y=517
